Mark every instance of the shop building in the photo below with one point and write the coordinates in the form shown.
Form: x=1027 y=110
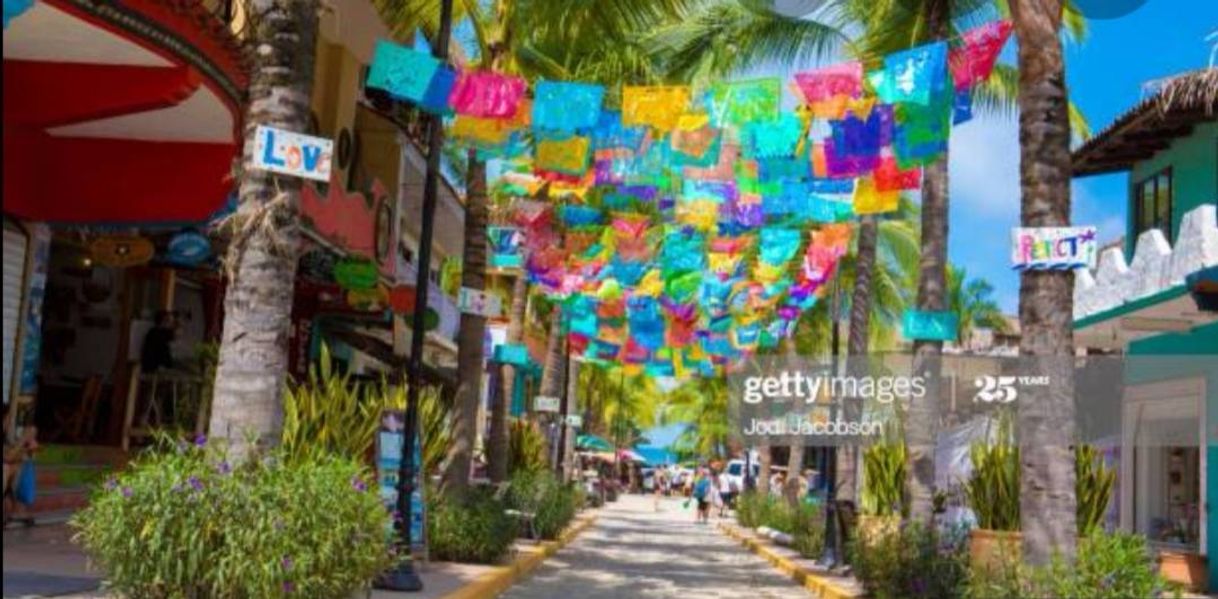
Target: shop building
x=1152 y=300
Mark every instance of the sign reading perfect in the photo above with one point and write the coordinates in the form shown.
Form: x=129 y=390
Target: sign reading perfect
x=1053 y=248
x=292 y=154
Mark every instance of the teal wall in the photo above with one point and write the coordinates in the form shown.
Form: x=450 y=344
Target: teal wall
x=1200 y=341
x=1194 y=164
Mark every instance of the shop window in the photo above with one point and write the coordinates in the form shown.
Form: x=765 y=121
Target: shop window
x=1167 y=492
x=1152 y=204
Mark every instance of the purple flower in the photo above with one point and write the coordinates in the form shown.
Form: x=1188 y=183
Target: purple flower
x=195 y=483
x=200 y=440
x=224 y=468
x=111 y=483
x=358 y=484
x=127 y=492
x=286 y=562
x=289 y=586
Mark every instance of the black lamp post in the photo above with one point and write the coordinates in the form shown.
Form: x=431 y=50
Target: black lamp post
x=829 y=556
x=403 y=577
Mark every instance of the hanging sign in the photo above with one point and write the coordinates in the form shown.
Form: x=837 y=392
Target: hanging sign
x=930 y=326
x=545 y=403
x=188 y=248
x=575 y=420
x=389 y=440
x=1053 y=248
x=121 y=250
x=480 y=303
x=292 y=154
x=355 y=273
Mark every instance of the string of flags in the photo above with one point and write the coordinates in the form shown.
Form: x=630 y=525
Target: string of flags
x=686 y=229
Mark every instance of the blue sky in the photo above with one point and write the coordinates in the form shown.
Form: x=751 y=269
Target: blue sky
x=1105 y=75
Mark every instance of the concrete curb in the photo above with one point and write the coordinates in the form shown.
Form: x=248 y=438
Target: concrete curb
x=818 y=584
x=527 y=559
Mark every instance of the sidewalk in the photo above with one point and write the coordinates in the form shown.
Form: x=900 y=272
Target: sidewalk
x=42 y=562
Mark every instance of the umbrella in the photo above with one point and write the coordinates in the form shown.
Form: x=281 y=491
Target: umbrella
x=592 y=442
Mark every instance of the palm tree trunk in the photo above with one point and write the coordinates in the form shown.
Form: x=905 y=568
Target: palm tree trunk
x=552 y=370
x=857 y=341
x=498 y=451
x=795 y=465
x=253 y=361
x=764 y=460
x=1046 y=301
x=470 y=338
x=922 y=416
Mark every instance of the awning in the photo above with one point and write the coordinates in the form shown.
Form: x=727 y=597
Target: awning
x=592 y=443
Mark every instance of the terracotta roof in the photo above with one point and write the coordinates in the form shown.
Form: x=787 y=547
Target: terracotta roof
x=1179 y=104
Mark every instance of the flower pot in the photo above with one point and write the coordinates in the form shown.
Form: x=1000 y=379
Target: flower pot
x=993 y=549
x=873 y=529
x=1188 y=569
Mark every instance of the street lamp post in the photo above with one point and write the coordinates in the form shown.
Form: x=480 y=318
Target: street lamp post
x=830 y=556
x=403 y=577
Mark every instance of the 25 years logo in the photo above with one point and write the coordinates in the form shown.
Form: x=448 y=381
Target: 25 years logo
x=995 y=389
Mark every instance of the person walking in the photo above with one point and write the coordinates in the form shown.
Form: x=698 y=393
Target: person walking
x=701 y=493
x=727 y=493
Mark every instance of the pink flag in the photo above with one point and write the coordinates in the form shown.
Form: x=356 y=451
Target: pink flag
x=972 y=61
x=845 y=79
x=487 y=94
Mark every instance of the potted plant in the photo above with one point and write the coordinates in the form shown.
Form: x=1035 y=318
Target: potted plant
x=883 y=494
x=993 y=494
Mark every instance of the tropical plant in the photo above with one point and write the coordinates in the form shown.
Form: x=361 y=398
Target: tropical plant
x=1108 y=566
x=527 y=451
x=470 y=525
x=915 y=562
x=265 y=234
x=883 y=489
x=435 y=421
x=1093 y=485
x=993 y=488
x=329 y=414
x=188 y=520
x=702 y=405
x=551 y=503
x=1046 y=298
x=970 y=300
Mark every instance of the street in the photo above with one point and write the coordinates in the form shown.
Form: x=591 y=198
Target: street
x=632 y=551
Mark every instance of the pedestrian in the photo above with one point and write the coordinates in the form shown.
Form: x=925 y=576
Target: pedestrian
x=701 y=493
x=727 y=493
x=718 y=501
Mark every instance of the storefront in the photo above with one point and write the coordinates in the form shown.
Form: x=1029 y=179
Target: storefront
x=121 y=124
x=1149 y=304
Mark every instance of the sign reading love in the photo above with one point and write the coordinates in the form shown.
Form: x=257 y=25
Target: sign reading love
x=292 y=154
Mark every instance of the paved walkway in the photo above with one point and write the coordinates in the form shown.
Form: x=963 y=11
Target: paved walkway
x=633 y=551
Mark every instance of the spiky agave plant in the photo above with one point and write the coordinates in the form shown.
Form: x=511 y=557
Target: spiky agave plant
x=1093 y=485
x=993 y=489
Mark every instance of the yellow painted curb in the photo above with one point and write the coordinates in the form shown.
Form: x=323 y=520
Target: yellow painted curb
x=810 y=580
x=527 y=559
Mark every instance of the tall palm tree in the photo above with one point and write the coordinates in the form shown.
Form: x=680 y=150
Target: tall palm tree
x=971 y=301
x=531 y=38
x=253 y=361
x=702 y=405
x=1046 y=300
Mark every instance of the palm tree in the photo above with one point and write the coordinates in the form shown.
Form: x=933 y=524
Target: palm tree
x=253 y=361
x=531 y=38
x=971 y=300
x=1046 y=301
x=701 y=404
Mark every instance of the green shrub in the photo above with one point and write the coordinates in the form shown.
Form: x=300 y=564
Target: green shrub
x=1108 y=566
x=809 y=531
x=915 y=563
x=993 y=488
x=552 y=503
x=526 y=448
x=183 y=522
x=471 y=527
x=1093 y=484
